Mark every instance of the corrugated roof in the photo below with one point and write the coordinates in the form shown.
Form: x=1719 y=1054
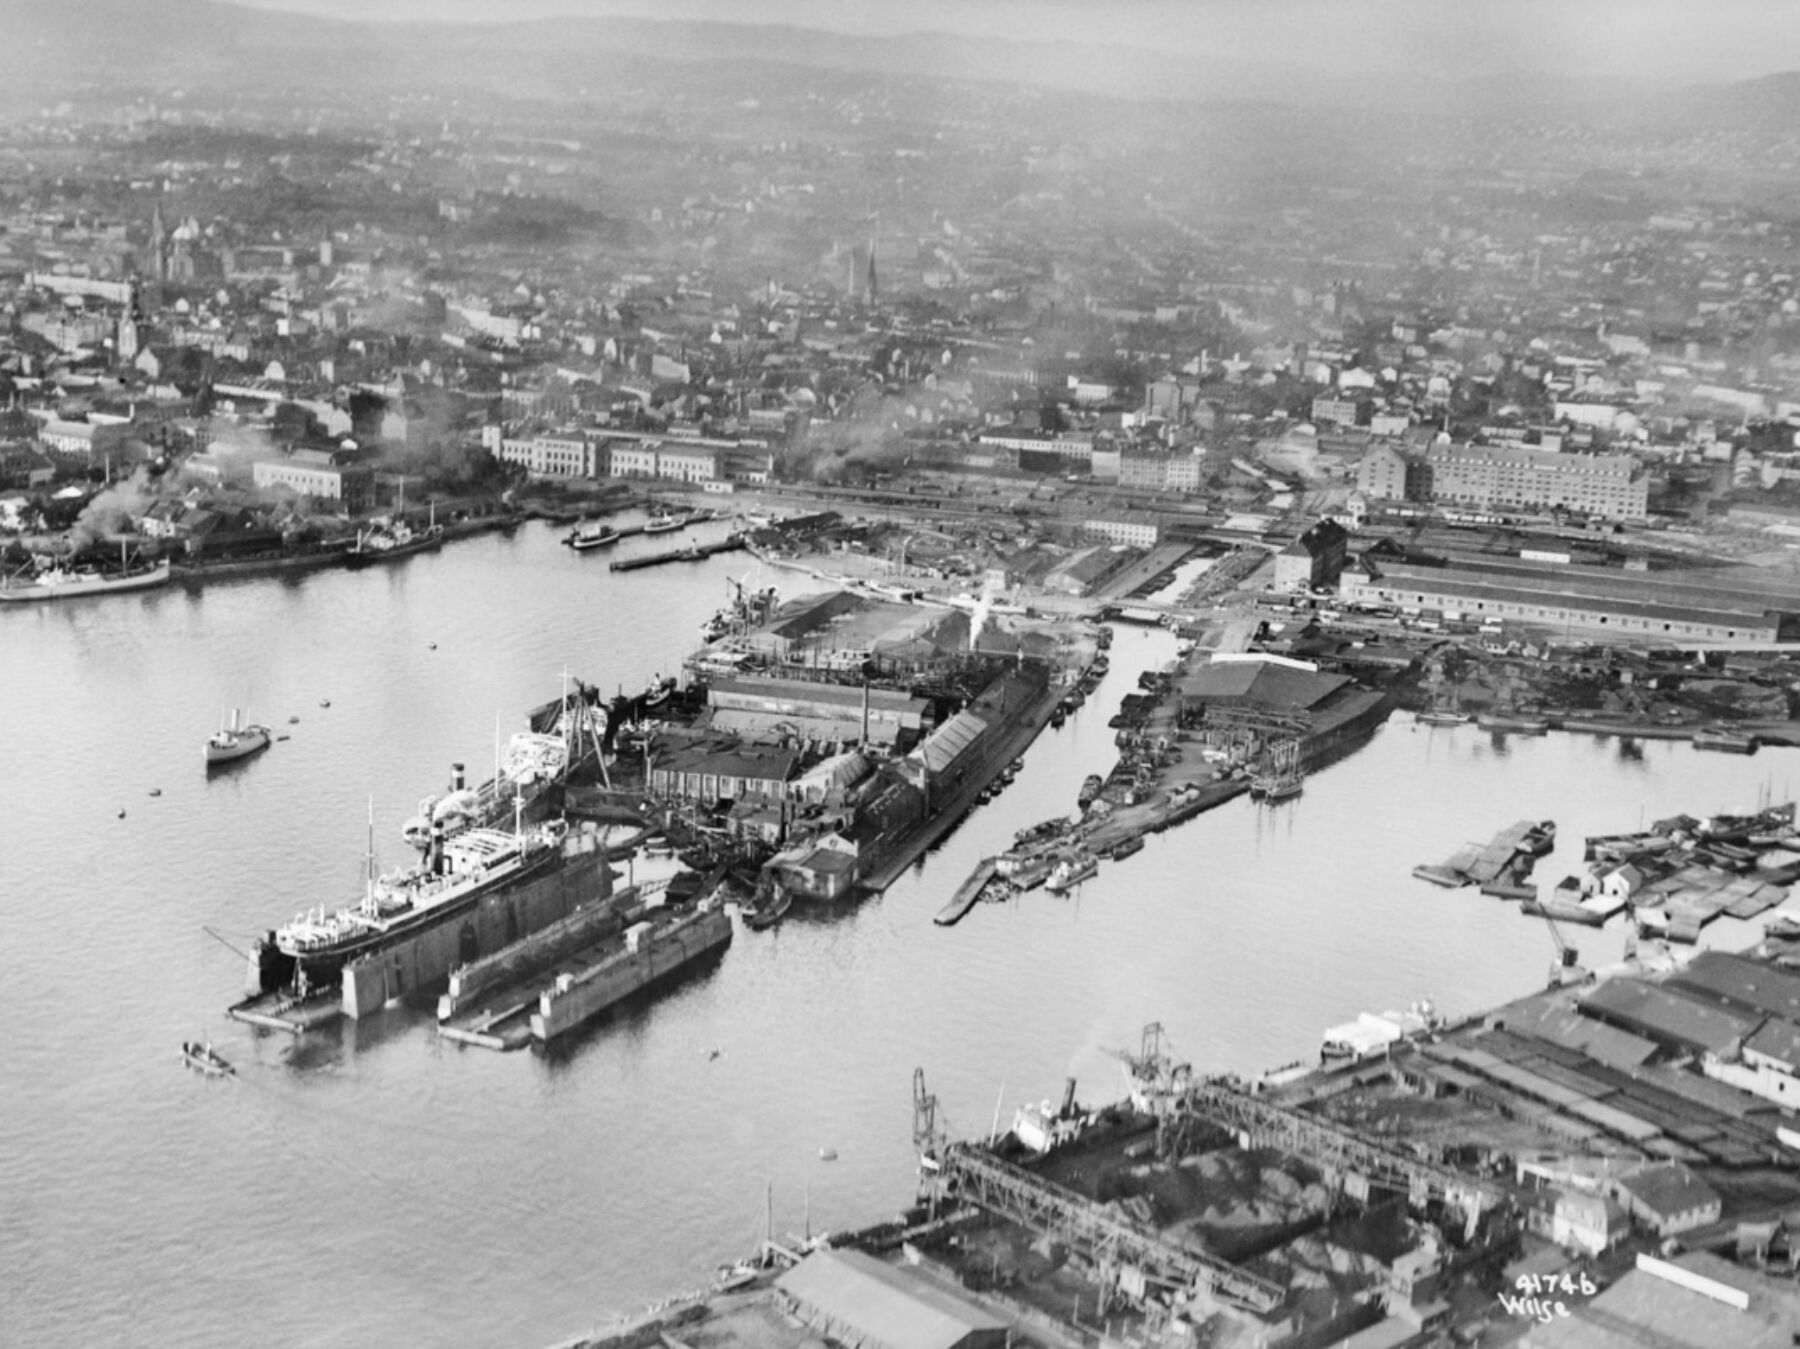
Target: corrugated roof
x=883 y=1305
x=1779 y=1040
x=1738 y=979
x=1549 y=1019
x=943 y=746
x=795 y=692
x=1264 y=684
x=1614 y=1121
x=1666 y=1015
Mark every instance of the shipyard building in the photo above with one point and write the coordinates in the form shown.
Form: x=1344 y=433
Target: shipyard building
x=1240 y=701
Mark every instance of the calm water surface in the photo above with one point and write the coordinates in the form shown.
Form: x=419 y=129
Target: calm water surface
x=378 y=1185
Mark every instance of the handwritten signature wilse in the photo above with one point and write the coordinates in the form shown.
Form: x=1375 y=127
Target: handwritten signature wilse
x=1536 y=1295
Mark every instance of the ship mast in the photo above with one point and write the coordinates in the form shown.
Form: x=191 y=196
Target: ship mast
x=369 y=861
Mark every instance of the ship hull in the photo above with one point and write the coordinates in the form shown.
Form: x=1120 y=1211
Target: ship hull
x=420 y=952
x=357 y=558
x=37 y=591
x=678 y=946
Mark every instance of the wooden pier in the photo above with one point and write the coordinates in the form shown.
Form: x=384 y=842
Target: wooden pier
x=968 y=894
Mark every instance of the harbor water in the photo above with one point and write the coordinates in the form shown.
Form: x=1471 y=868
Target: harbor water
x=376 y=1184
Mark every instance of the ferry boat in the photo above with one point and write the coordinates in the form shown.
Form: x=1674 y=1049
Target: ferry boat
x=586 y=537
x=234 y=742
x=665 y=523
x=63 y=583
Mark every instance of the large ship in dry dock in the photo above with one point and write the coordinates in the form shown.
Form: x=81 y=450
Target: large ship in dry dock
x=474 y=892
x=475 y=889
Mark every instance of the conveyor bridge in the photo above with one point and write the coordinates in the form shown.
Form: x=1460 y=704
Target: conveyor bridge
x=1018 y=1195
x=1335 y=1147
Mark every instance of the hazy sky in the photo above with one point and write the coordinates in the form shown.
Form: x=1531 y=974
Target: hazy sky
x=1662 y=39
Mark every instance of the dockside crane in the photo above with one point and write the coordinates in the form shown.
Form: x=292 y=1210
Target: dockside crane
x=929 y=1142
x=1567 y=966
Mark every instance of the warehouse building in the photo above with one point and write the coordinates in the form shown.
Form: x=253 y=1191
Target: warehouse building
x=1654 y=606
x=857 y=1301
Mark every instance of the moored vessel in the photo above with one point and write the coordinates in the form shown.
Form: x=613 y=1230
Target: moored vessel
x=1441 y=716
x=231 y=743
x=1724 y=740
x=64 y=583
x=1070 y=872
x=389 y=541
x=584 y=538
x=473 y=892
x=1516 y=722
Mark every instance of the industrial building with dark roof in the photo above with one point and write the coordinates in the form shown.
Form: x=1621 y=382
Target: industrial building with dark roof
x=1668 y=1017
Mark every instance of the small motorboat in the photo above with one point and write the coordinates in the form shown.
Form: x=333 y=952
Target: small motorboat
x=1440 y=716
x=202 y=1056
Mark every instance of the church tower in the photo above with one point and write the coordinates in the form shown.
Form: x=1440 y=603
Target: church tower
x=159 y=245
x=126 y=344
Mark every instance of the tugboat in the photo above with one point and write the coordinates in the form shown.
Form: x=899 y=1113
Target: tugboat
x=586 y=537
x=1090 y=790
x=235 y=742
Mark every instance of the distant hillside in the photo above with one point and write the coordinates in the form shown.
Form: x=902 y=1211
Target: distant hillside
x=206 y=44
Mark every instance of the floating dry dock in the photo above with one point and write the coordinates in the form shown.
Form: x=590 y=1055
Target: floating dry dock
x=562 y=977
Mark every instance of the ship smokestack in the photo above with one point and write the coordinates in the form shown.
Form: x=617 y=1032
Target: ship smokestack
x=1068 y=1105
x=456 y=777
x=434 y=858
